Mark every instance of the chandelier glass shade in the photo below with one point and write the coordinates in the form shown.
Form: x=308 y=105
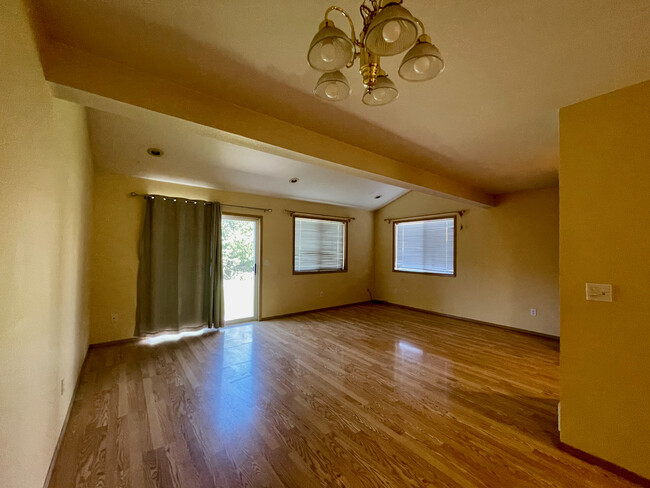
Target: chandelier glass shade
x=392 y=31
x=331 y=49
x=381 y=93
x=388 y=29
x=423 y=61
x=332 y=87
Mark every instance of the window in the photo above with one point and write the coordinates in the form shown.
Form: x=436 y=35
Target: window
x=319 y=245
x=425 y=246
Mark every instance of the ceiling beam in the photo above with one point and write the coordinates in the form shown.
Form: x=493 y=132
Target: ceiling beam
x=97 y=82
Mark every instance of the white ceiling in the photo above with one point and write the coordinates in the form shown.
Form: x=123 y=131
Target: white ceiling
x=491 y=119
x=120 y=146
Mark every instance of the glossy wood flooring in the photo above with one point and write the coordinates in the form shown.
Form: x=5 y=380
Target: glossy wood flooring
x=360 y=396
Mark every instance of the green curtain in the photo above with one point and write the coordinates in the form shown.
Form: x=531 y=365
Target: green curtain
x=180 y=274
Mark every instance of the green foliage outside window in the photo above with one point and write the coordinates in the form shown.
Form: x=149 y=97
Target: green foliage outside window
x=238 y=248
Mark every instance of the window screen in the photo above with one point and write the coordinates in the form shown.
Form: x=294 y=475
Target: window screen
x=425 y=246
x=319 y=245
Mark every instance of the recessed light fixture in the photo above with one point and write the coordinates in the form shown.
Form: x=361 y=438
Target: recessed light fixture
x=294 y=180
x=155 y=152
x=377 y=197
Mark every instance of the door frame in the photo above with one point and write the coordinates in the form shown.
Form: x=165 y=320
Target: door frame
x=257 y=301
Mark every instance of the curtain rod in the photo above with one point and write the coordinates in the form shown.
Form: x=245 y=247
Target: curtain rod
x=416 y=217
x=146 y=195
x=333 y=217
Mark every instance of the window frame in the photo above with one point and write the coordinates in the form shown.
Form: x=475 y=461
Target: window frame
x=345 y=222
x=420 y=219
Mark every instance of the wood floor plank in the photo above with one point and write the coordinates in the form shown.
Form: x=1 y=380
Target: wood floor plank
x=361 y=396
x=155 y=429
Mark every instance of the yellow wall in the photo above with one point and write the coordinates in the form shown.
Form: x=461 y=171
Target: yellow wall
x=45 y=178
x=507 y=261
x=117 y=221
x=605 y=238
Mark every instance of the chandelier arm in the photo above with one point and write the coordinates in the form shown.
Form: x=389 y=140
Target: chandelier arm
x=345 y=14
x=419 y=22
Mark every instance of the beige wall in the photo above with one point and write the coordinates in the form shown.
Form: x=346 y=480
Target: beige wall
x=45 y=178
x=117 y=221
x=605 y=238
x=507 y=261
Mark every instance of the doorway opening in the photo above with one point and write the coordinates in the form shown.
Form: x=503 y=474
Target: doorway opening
x=240 y=252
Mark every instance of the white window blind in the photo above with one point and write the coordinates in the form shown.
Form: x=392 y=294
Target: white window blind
x=425 y=246
x=319 y=245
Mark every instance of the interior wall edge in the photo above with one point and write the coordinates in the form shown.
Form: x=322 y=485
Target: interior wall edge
x=603 y=463
x=473 y=321
x=64 y=426
x=45 y=210
x=276 y=317
x=604 y=222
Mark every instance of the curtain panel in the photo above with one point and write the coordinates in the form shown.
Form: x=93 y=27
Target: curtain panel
x=179 y=277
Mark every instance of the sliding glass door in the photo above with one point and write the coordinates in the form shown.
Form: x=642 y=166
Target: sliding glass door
x=240 y=254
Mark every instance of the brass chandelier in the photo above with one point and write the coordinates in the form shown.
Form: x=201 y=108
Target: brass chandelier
x=388 y=29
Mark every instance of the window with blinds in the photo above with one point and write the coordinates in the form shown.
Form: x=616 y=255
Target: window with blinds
x=425 y=246
x=319 y=245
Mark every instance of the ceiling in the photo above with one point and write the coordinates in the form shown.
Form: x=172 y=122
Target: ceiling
x=120 y=144
x=490 y=119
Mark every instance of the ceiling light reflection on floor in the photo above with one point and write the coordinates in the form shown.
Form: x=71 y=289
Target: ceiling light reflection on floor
x=406 y=348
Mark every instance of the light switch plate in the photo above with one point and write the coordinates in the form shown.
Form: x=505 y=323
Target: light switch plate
x=599 y=292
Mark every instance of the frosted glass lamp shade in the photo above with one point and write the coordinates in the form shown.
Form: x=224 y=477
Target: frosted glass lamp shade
x=392 y=31
x=332 y=87
x=330 y=49
x=382 y=92
x=422 y=62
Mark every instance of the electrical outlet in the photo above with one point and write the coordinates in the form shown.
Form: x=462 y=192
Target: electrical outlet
x=62 y=385
x=115 y=318
x=533 y=312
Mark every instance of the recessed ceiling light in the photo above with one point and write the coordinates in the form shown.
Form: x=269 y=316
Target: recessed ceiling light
x=155 y=152
x=377 y=197
x=294 y=180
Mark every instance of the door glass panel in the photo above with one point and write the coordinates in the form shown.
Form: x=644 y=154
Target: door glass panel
x=238 y=240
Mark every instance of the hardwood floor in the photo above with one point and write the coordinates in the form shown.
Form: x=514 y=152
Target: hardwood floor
x=361 y=396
